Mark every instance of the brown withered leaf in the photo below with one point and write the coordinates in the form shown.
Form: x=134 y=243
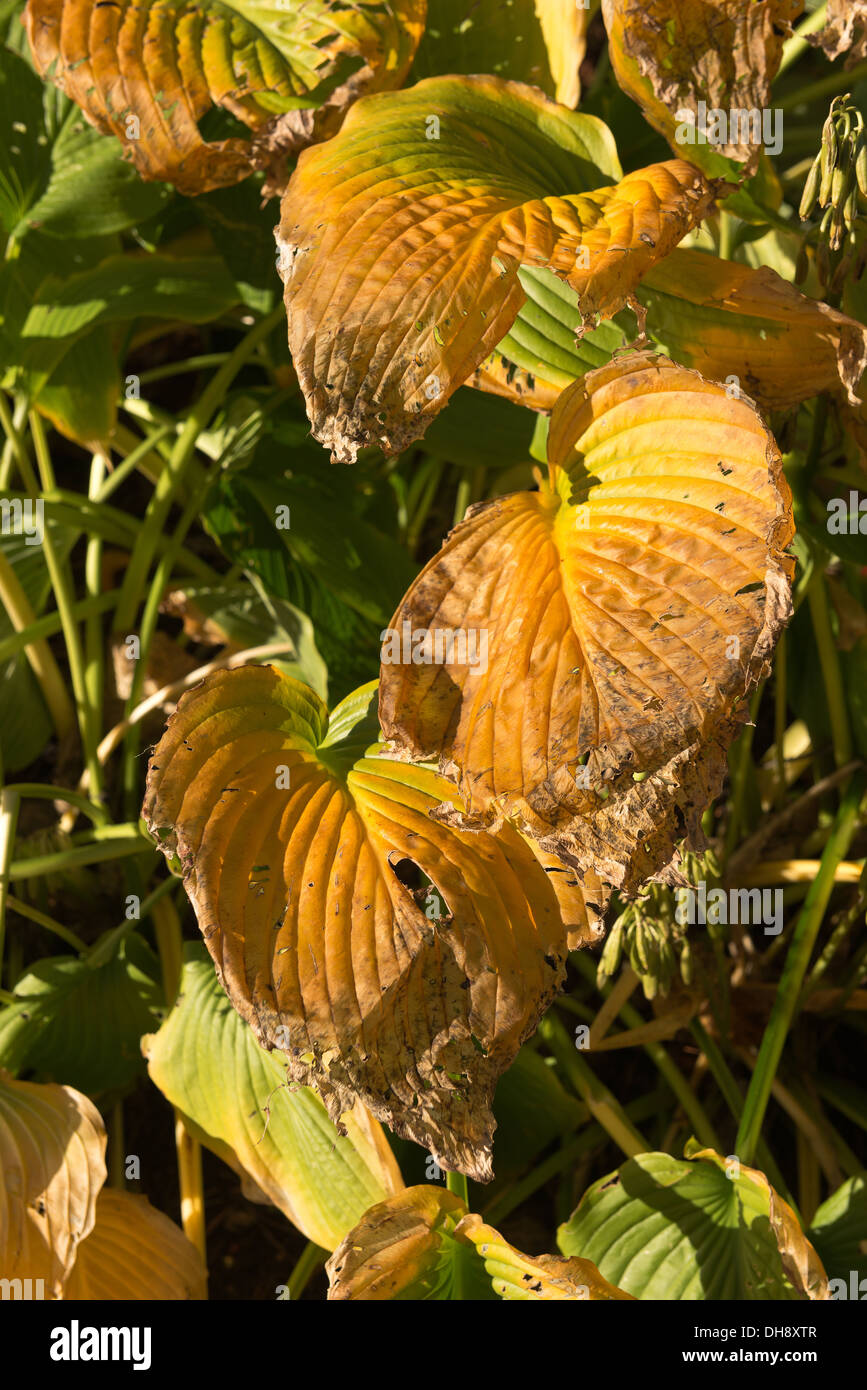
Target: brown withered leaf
x=52 y=1165
x=725 y=53
x=309 y=858
x=400 y=242
x=627 y=609
x=845 y=31
x=422 y=1244
x=149 y=72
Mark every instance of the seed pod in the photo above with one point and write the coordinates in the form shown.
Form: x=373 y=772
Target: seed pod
x=811 y=190
x=826 y=167
x=861 y=167
x=839 y=184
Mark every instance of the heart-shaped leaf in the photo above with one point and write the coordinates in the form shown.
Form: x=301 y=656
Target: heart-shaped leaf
x=724 y=319
x=148 y=73
x=134 y=1252
x=701 y=73
x=422 y=1244
x=626 y=609
x=401 y=238
x=236 y=1099
x=52 y=1165
x=710 y=1228
x=308 y=857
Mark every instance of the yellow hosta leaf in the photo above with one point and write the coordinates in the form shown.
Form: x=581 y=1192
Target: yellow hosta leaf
x=564 y=28
x=52 y=1165
x=149 y=72
x=723 y=318
x=135 y=1252
x=235 y=1098
x=697 y=61
x=301 y=846
x=628 y=606
x=422 y=1244
x=536 y=1278
x=401 y=238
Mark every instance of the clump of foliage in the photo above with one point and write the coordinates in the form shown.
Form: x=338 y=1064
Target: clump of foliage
x=472 y=836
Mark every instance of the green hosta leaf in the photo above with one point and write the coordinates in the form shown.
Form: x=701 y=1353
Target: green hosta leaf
x=671 y=1229
x=839 y=1233
x=532 y=1109
x=83 y=1025
x=80 y=397
x=57 y=173
x=237 y=1099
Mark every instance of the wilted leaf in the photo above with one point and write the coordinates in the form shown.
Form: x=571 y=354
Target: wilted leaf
x=666 y=1228
x=400 y=253
x=627 y=608
x=149 y=73
x=723 y=53
x=538 y=41
x=135 y=1252
x=320 y=943
x=236 y=1098
x=532 y=1279
x=722 y=318
x=52 y=1165
x=845 y=31
x=422 y=1244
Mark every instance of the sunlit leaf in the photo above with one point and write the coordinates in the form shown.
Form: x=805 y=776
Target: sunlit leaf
x=149 y=73
x=52 y=1165
x=294 y=832
x=626 y=608
x=237 y=1099
x=538 y=41
x=135 y=1252
x=400 y=252
x=422 y=1244
x=689 y=64
x=84 y=1024
x=705 y=1228
x=839 y=1233
x=720 y=317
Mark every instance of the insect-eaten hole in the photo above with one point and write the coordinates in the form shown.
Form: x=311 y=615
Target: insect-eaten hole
x=429 y=897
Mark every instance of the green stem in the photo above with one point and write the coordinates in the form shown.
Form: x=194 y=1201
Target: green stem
x=137 y=454
x=829 y=660
x=43 y=920
x=40 y=656
x=167 y=484
x=13 y=437
x=741 y=773
x=94 y=644
x=79 y=857
x=602 y=1104
x=457 y=1183
x=312 y=1257
x=837 y=81
x=44 y=791
x=102 y=950
x=9 y=803
x=794 y=970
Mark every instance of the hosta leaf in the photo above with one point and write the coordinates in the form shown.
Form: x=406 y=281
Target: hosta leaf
x=52 y=1165
x=57 y=173
x=724 y=53
x=627 y=607
x=845 y=31
x=422 y=1245
x=235 y=1097
x=320 y=944
x=84 y=1024
x=673 y=1229
x=538 y=41
x=720 y=317
x=542 y=1278
x=400 y=253
x=135 y=1252
x=839 y=1233
x=149 y=73
x=81 y=394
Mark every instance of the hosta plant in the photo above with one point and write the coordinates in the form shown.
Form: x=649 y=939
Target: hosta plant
x=433 y=647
